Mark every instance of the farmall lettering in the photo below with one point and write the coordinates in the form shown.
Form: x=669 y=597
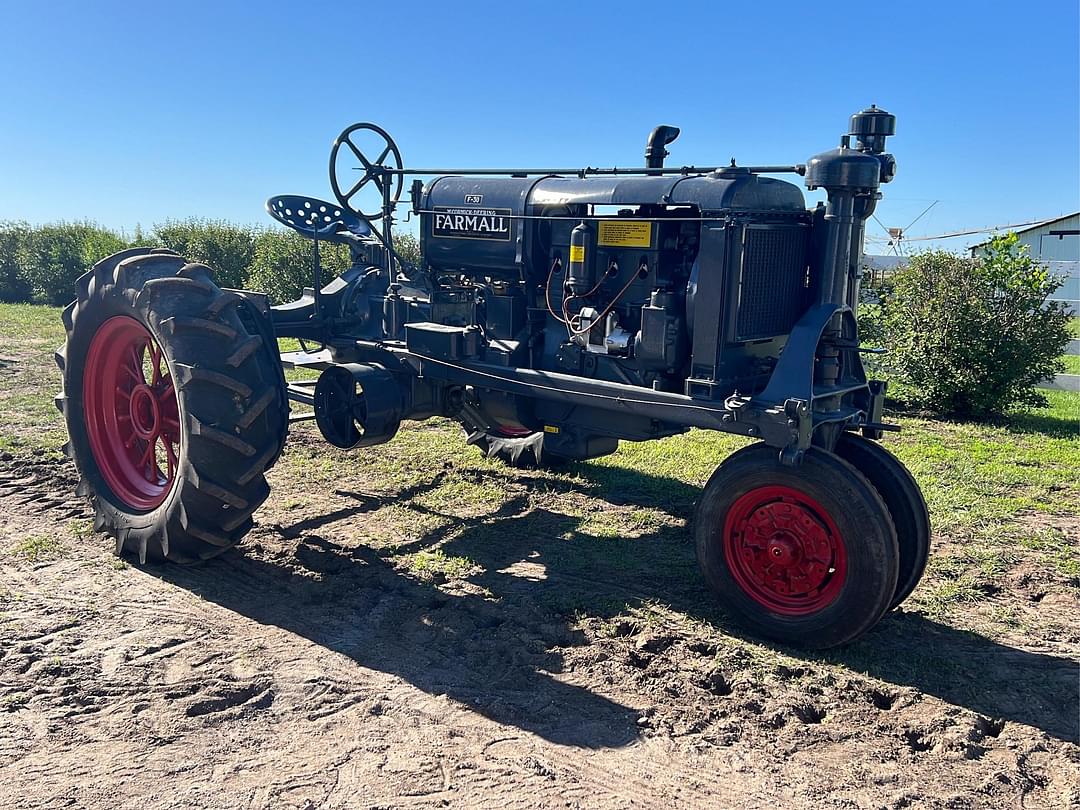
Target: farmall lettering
x=472 y=223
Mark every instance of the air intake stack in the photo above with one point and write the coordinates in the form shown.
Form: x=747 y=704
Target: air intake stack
x=851 y=178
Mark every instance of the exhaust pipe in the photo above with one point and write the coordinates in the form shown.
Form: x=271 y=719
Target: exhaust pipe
x=654 y=147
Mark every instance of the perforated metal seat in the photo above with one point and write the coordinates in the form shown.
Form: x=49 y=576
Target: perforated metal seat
x=317 y=218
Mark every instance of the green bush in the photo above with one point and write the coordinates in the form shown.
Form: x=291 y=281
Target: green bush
x=42 y=263
x=407 y=246
x=227 y=248
x=14 y=286
x=972 y=337
x=281 y=267
x=282 y=264
x=52 y=257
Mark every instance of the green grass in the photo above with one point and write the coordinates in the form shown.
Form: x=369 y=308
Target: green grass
x=37 y=547
x=1074 y=326
x=1072 y=363
x=29 y=377
x=434 y=564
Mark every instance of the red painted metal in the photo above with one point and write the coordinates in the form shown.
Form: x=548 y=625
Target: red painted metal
x=133 y=423
x=511 y=431
x=784 y=550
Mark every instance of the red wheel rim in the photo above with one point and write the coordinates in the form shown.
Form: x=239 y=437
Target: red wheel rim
x=784 y=550
x=511 y=432
x=132 y=413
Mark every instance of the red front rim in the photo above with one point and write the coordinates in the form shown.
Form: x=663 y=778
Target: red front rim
x=132 y=413
x=784 y=550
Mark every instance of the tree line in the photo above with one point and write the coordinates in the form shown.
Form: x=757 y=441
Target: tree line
x=40 y=264
x=967 y=336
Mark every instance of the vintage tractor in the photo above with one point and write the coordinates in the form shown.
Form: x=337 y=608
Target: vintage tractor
x=553 y=313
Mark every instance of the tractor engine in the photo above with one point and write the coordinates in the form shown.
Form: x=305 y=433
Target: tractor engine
x=672 y=282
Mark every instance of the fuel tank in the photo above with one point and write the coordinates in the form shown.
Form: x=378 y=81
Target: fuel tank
x=474 y=224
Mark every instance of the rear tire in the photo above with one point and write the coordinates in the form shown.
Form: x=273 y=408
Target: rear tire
x=905 y=502
x=804 y=555
x=175 y=405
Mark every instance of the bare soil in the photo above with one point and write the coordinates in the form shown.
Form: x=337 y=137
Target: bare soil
x=321 y=666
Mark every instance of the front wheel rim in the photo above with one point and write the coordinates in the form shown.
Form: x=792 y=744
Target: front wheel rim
x=784 y=550
x=132 y=413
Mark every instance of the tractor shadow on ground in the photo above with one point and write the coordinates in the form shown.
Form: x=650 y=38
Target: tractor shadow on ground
x=496 y=646
x=353 y=601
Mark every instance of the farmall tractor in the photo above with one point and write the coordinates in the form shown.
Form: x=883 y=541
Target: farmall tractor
x=554 y=312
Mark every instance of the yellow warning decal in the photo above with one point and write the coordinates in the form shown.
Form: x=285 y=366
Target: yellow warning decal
x=625 y=233
x=550 y=429
x=577 y=253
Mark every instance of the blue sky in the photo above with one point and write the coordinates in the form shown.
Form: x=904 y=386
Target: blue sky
x=129 y=113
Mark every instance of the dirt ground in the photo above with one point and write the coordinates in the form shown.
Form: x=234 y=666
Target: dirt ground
x=315 y=668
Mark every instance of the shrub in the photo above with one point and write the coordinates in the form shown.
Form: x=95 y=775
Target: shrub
x=142 y=239
x=281 y=267
x=227 y=248
x=873 y=292
x=282 y=264
x=52 y=257
x=14 y=286
x=42 y=263
x=407 y=246
x=972 y=337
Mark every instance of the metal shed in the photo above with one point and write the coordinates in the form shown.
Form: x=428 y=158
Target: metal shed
x=1053 y=240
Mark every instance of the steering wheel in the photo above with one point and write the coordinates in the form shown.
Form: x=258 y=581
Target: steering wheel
x=318 y=218
x=377 y=142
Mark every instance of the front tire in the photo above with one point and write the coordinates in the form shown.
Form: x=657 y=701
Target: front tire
x=175 y=405
x=905 y=502
x=803 y=555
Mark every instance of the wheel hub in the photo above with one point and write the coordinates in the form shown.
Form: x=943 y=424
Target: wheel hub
x=144 y=412
x=784 y=550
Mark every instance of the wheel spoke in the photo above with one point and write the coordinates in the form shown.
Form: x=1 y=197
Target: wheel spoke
x=356 y=187
x=382 y=157
x=136 y=363
x=131 y=371
x=356 y=151
x=167 y=396
x=147 y=457
x=170 y=454
x=155 y=363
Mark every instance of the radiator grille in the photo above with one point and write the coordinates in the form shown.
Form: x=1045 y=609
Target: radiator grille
x=772 y=288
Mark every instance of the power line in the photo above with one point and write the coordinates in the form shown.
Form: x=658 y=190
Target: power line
x=920 y=216
x=974 y=231
x=896 y=235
